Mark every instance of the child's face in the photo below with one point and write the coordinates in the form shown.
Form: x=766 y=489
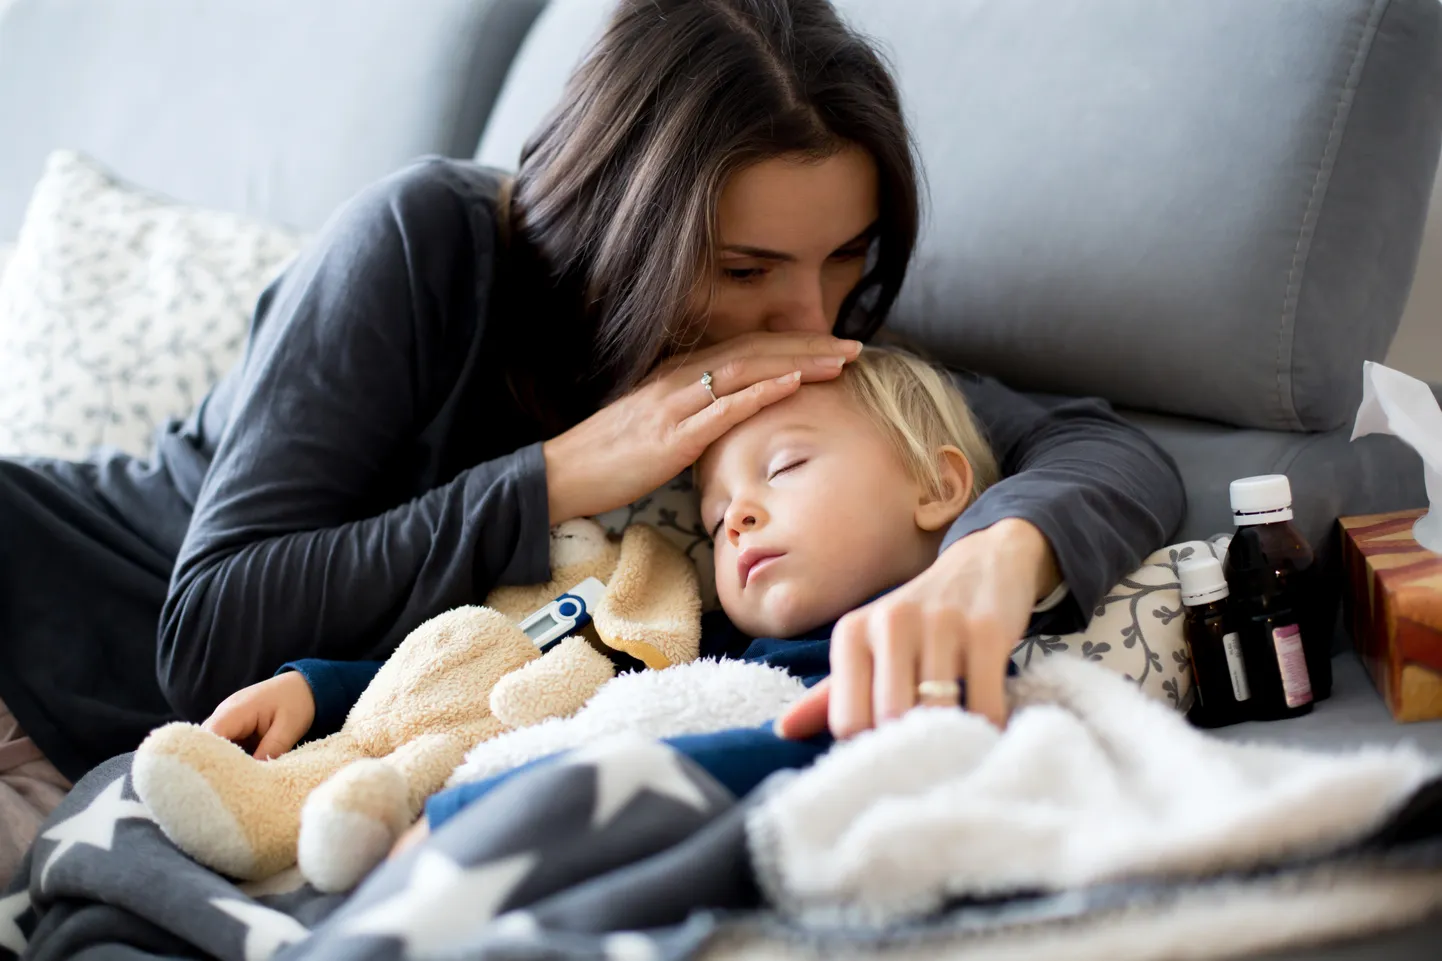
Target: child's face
x=812 y=511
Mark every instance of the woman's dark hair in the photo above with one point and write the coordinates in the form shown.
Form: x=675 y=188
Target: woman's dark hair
x=617 y=191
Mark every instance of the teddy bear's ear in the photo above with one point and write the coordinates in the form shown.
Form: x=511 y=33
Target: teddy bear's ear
x=652 y=605
x=580 y=549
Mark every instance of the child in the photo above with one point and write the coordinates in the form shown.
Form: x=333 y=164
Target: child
x=816 y=505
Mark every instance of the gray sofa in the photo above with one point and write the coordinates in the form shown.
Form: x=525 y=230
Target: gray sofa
x=1205 y=211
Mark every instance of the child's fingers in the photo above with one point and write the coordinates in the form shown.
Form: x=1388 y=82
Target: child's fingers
x=280 y=737
x=234 y=722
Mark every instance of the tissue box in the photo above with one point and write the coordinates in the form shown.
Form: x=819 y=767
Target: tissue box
x=1394 y=607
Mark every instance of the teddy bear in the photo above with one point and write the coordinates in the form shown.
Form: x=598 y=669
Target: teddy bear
x=337 y=804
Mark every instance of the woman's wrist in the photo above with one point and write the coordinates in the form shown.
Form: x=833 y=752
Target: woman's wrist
x=1022 y=542
x=560 y=501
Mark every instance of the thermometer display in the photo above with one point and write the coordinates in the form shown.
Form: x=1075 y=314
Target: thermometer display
x=565 y=615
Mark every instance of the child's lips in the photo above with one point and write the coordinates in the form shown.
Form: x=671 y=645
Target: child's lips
x=754 y=559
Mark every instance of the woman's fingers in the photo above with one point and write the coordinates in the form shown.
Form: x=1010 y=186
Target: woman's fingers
x=765 y=344
x=942 y=659
x=738 y=376
x=895 y=641
x=807 y=717
x=849 y=705
x=741 y=372
x=986 y=655
x=413 y=835
x=741 y=363
x=894 y=655
x=698 y=431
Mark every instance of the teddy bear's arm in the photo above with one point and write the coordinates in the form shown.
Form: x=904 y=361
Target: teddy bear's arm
x=554 y=685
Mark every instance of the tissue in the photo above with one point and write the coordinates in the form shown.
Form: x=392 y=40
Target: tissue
x=1394 y=403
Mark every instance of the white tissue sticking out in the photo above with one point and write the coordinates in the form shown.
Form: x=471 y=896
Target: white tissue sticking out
x=1394 y=403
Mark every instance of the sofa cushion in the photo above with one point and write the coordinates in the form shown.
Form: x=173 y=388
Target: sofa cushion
x=278 y=109
x=1331 y=476
x=120 y=310
x=1203 y=207
x=558 y=40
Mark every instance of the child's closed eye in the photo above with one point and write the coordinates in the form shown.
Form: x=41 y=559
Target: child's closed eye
x=788 y=467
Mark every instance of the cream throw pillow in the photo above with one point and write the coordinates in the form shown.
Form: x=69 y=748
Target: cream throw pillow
x=119 y=310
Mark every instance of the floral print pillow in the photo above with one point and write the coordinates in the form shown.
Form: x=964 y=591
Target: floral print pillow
x=1136 y=630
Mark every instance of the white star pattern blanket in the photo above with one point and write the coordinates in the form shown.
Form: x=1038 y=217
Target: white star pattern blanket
x=1097 y=826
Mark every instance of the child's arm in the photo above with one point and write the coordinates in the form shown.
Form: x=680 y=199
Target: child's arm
x=335 y=685
x=310 y=696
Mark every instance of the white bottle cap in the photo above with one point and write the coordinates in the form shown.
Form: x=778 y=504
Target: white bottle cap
x=1202 y=580
x=1261 y=500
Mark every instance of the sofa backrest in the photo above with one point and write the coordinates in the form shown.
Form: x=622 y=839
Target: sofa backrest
x=280 y=109
x=1202 y=207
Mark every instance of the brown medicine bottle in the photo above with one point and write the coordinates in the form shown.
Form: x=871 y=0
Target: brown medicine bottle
x=1268 y=572
x=1221 y=694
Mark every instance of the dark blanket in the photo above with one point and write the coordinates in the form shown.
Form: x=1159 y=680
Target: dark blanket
x=623 y=850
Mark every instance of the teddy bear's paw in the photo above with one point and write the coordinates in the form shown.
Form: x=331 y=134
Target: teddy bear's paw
x=195 y=785
x=349 y=824
x=555 y=685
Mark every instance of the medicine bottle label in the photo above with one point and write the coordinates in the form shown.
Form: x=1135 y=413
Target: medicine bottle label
x=1232 y=644
x=1292 y=660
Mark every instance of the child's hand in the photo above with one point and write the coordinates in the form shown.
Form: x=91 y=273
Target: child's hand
x=276 y=712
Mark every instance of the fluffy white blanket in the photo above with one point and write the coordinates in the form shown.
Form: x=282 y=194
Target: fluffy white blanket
x=1090 y=782
x=697 y=698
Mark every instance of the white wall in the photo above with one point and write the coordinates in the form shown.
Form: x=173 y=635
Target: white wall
x=1418 y=347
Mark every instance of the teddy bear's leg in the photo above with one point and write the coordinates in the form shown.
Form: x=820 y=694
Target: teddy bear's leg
x=224 y=808
x=351 y=821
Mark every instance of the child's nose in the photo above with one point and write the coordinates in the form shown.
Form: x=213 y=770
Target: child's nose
x=741 y=521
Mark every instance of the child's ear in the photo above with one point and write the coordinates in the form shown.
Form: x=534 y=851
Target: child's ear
x=934 y=513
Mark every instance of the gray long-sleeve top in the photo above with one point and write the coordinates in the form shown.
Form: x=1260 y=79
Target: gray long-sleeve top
x=366 y=468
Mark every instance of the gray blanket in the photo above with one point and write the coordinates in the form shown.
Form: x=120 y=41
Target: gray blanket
x=625 y=855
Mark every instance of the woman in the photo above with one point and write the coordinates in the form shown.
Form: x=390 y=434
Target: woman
x=460 y=362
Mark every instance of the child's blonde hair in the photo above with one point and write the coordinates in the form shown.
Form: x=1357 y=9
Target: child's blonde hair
x=920 y=410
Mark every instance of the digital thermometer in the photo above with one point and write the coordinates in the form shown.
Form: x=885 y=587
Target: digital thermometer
x=565 y=615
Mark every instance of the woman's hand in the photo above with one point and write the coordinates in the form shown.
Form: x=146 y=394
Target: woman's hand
x=633 y=446
x=960 y=618
x=409 y=838
x=276 y=713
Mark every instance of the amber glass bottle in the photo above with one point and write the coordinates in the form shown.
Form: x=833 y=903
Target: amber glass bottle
x=1221 y=694
x=1268 y=571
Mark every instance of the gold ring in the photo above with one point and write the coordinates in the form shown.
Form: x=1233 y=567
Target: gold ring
x=947 y=691
x=706 y=381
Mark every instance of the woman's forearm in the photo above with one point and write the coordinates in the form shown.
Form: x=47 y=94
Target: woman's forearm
x=1101 y=493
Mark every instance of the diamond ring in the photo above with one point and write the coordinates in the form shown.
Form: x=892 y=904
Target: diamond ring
x=706 y=381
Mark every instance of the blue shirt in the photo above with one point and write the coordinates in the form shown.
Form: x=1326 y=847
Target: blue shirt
x=337 y=685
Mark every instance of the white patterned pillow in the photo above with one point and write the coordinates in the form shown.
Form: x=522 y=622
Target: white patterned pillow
x=1136 y=630
x=7 y=251
x=675 y=511
x=119 y=310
